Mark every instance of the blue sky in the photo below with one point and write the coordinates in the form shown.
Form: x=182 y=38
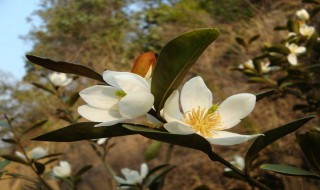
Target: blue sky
x=13 y=22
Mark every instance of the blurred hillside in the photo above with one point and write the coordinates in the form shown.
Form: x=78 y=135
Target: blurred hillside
x=110 y=34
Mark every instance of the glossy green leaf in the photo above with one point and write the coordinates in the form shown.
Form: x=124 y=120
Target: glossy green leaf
x=262 y=95
x=241 y=42
x=35 y=126
x=175 y=60
x=43 y=87
x=15 y=158
x=282 y=49
x=193 y=141
x=65 y=67
x=309 y=143
x=271 y=136
x=39 y=167
x=152 y=150
x=83 y=131
x=289 y=170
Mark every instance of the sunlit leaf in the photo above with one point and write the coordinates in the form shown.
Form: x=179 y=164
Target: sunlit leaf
x=175 y=60
x=65 y=67
x=152 y=150
x=269 y=137
x=289 y=170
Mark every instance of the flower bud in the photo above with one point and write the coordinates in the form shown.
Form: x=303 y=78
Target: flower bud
x=144 y=65
x=303 y=15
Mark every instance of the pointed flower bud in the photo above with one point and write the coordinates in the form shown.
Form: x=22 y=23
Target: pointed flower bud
x=144 y=65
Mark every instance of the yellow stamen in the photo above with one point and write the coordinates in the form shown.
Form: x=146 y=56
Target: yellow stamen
x=120 y=94
x=203 y=121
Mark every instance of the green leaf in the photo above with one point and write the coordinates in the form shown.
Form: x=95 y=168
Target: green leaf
x=269 y=137
x=262 y=95
x=11 y=141
x=254 y=38
x=15 y=158
x=83 y=170
x=65 y=67
x=41 y=86
x=312 y=41
x=241 y=42
x=39 y=167
x=175 y=59
x=152 y=150
x=289 y=170
x=280 y=28
x=35 y=126
x=309 y=143
x=84 y=131
x=73 y=99
x=193 y=141
x=3 y=164
x=293 y=26
x=282 y=49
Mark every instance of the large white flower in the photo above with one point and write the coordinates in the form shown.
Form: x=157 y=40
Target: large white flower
x=59 y=79
x=306 y=30
x=63 y=170
x=200 y=116
x=294 y=51
x=128 y=97
x=132 y=177
x=303 y=15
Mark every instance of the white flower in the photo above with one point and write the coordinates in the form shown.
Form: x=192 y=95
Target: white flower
x=247 y=65
x=306 y=30
x=238 y=162
x=204 y=118
x=128 y=97
x=303 y=15
x=59 y=79
x=294 y=51
x=101 y=141
x=63 y=170
x=133 y=177
x=291 y=34
x=38 y=152
x=265 y=68
x=20 y=155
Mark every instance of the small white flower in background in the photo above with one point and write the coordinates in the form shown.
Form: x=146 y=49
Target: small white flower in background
x=132 y=177
x=38 y=152
x=20 y=155
x=265 y=67
x=303 y=15
x=128 y=97
x=238 y=162
x=204 y=118
x=247 y=65
x=306 y=30
x=294 y=51
x=63 y=170
x=101 y=141
x=291 y=34
x=59 y=79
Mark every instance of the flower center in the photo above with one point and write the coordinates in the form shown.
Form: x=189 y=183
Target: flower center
x=203 y=121
x=120 y=94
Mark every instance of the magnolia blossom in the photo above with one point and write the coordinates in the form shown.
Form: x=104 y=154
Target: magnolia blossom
x=238 y=162
x=209 y=120
x=128 y=97
x=63 y=170
x=35 y=153
x=294 y=51
x=265 y=67
x=303 y=15
x=132 y=177
x=247 y=65
x=306 y=30
x=59 y=79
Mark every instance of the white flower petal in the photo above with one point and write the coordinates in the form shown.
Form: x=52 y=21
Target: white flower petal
x=143 y=170
x=136 y=104
x=171 y=111
x=132 y=83
x=99 y=115
x=132 y=176
x=300 y=50
x=176 y=127
x=101 y=141
x=195 y=94
x=108 y=76
x=63 y=170
x=66 y=82
x=112 y=122
x=99 y=96
x=38 y=152
x=120 y=180
x=228 y=138
x=240 y=161
x=235 y=108
x=292 y=58
x=154 y=120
